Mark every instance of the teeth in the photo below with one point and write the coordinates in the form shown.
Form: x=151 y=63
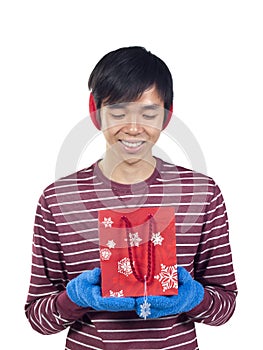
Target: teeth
x=132 y=144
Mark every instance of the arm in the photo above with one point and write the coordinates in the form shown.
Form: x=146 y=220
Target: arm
x=48 y=307
x=214 y=268
x=208 y=295
x=53 y=303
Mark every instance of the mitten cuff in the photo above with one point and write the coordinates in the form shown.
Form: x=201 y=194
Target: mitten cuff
x=67 y=309
x=74 y=291
x=198 y=294
x=201 y=307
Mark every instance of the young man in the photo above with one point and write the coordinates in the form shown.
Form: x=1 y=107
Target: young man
x=131 y=102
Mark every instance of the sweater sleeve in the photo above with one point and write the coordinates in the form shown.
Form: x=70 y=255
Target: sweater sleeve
x=48 y=308
x=214 y=267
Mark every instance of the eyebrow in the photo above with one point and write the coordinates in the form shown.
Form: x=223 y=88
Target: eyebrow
x=152 y=107
x=117 y=105
x=122 y=105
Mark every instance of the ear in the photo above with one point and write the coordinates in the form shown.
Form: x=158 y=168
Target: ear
x=93 y=111
x=169 y=116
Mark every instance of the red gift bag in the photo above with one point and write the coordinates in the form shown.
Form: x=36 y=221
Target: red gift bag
x=138 y=249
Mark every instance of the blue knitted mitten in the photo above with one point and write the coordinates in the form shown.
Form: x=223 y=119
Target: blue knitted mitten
x=85 y=291
x=190 y=294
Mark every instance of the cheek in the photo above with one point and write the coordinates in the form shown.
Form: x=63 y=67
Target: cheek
x=154 y=133
x=110 y=134
x=154 y=126
x=110 y=126
x=155 y=138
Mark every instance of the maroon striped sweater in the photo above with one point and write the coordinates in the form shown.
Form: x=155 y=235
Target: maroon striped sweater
x=65 y=243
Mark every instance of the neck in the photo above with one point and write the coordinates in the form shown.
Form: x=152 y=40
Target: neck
x=128 y=172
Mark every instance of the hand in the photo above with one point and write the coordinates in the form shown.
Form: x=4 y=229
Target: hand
x=190 y=294
x=85 y=291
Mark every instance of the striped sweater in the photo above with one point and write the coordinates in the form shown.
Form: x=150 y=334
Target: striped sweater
x=66 y=243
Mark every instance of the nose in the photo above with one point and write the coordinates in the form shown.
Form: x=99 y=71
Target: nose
x=133 y=125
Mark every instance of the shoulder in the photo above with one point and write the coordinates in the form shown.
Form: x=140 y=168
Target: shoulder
x=72 y=183
x=178 y=179
x=173 y=172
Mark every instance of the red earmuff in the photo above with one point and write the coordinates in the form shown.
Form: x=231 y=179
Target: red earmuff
x=168 y=118
x=93 y=111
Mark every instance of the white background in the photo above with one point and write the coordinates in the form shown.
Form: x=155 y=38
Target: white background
x=214 y=51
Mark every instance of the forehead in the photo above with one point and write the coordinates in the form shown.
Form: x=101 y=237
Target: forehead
x=150 y=97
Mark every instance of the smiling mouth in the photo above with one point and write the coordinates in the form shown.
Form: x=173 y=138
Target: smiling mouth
x=132 y=146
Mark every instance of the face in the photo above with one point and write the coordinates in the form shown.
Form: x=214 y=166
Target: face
x=131 y=129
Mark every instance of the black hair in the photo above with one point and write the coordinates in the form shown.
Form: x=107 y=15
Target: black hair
x=124 y=74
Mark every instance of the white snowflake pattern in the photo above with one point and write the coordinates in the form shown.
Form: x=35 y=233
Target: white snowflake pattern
x=111 y=244
x=105 y=254
x=134 y=239
x=157 y=238
x=168 y=277
x=124 y=267
x=117 y=294
x=145 y=309
x=107 y=222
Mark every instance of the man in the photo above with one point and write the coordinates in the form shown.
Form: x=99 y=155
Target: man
x=131 y=102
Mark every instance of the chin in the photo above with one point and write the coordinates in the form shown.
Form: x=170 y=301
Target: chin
x=132 y=160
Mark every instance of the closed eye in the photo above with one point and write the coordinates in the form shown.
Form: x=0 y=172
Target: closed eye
x=149 y=116
x=118 y=116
